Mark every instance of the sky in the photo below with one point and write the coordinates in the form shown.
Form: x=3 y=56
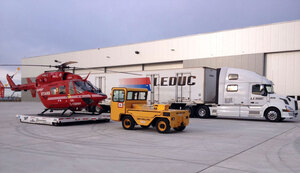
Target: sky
x=34 y=28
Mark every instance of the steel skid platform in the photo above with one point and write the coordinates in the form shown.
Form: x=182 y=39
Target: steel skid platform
x=58 y=119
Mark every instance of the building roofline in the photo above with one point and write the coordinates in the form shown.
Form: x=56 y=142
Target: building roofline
x=130 y=44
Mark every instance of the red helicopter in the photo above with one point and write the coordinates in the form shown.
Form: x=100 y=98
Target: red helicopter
x=61 y=90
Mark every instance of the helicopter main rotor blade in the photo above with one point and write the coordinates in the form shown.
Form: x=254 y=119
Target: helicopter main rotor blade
x=103 y=69
x=29 y=65
x=64 y=66
x=67 y=63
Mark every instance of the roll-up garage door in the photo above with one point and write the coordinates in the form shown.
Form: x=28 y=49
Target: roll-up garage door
x=284 y=70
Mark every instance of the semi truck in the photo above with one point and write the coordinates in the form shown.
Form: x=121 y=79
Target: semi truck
x=207 y=91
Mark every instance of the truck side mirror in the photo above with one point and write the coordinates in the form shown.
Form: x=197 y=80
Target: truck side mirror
x=264 y=93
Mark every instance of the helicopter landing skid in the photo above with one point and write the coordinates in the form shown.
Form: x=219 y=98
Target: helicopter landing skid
x=51 y=110
x=42 y=113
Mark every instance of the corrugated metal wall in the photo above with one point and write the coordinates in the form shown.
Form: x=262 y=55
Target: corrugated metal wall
x=284 y=70
x=252 y=62
x=252 y=40
x=160 y=66
x=241 y=48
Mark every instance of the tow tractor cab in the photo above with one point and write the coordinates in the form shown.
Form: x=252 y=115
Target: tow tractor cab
x=248 y=94
x=129 y=105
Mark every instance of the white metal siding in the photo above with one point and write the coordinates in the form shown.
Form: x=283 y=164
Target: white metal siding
x=163 y=66
x=252 y=62
x=284 y=70
x=252 y=40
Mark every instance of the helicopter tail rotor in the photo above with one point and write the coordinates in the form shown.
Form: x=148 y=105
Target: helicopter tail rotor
x=18 y=69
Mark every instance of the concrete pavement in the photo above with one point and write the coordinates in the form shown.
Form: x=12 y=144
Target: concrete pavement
x=206 y=145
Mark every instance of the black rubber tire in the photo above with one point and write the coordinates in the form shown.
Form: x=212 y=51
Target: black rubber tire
x=180 y=128
x=145 y=127
x=99 y=110
x=128 y=123
x=163 y=125
x=272 y=115
x=191 y=111
x=202 y=112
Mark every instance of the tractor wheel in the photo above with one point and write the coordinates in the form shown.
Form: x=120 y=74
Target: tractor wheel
x=128 y=123
x=163 y=125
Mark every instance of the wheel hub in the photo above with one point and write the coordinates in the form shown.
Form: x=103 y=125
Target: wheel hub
x=162 y=126
x=202 y=112
x=272 y=115
x=127 y=123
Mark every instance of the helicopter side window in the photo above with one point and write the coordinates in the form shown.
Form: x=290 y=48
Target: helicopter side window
x=82 y=86
x=78 y=88
x=62 y=89
x=53 y=90
x=71 y=88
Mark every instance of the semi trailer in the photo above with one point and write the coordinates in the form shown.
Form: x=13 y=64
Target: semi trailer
x=207 y=92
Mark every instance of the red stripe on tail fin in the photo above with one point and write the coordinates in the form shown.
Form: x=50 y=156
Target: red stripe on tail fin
x=1 y=90
x=10 y=82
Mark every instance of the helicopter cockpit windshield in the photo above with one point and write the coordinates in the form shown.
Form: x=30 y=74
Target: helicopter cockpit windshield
x=82 y=86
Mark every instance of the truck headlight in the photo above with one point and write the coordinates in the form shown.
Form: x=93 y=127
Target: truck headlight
x=287 y=109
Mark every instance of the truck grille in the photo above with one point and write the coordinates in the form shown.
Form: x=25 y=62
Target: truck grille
x=296 y=105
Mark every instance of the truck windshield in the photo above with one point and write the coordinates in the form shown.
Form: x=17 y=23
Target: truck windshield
x=269 y=89
x=82 y=86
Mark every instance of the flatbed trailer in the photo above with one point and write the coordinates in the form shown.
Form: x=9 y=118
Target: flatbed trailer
x=57 y=119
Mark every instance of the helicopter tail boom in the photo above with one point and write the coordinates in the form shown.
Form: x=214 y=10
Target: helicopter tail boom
x=23 y=87
x=33 y=91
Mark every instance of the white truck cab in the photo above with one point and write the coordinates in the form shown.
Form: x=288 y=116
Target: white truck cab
x=247 y=94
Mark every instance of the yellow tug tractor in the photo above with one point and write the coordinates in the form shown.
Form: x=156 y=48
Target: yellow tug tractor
x=129 y=105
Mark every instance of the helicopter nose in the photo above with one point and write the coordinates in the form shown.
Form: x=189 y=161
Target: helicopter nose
x=104 y=96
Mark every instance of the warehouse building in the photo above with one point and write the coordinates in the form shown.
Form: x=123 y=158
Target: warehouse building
x=271 y=50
